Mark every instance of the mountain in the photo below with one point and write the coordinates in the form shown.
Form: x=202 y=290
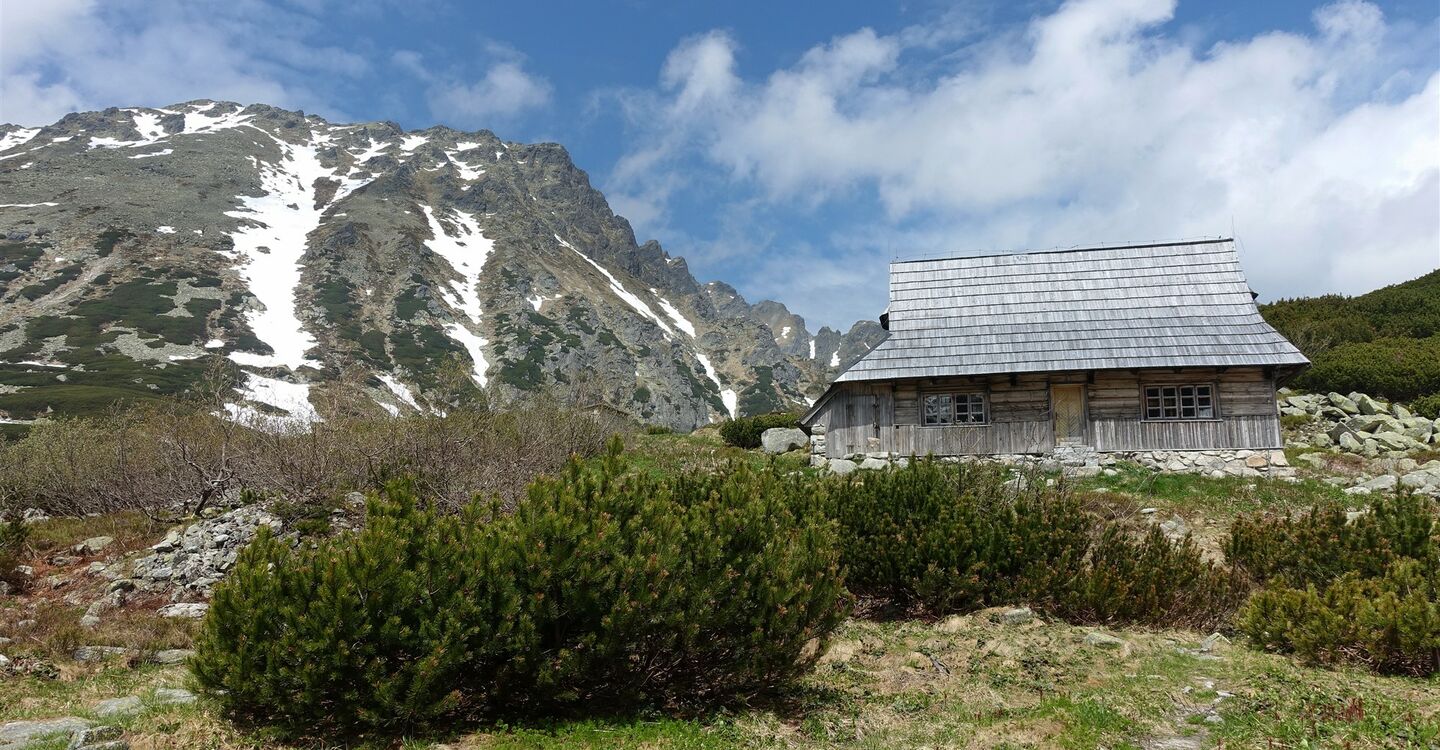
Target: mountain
x=140 y=245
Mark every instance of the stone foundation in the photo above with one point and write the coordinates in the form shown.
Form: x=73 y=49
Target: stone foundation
x=1083 y=461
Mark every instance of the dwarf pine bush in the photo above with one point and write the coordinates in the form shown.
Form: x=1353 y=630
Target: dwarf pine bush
x=745 y=432
x=381 y=628
x=947 y=538
x=1149 y=580
x=1322 y=544
x=1390 y=623
x=655 y=591
x=602 y=590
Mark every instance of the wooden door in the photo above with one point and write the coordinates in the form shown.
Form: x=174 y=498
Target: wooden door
x=1067 y=411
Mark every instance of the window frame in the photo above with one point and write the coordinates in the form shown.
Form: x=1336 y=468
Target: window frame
x=1172 y=402
x=959 y=401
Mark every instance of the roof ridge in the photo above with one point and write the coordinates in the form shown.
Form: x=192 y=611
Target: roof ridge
x=1086 y=249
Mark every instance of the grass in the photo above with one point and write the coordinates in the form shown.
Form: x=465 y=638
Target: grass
x=965 y=681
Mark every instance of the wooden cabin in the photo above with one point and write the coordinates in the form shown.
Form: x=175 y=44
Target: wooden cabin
x=1136 y=348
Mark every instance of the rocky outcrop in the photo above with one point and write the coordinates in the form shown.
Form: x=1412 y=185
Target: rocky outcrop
x=1359 y=424
x=190 y=561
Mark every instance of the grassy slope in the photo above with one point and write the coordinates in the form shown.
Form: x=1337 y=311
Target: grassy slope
x=963 y=682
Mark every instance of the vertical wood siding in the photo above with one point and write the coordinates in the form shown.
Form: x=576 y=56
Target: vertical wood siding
x=885 y=416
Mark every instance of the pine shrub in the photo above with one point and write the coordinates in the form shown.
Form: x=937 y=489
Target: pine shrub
x=1148 y=580
x=745 y=432
x=948 y=538
x=384 y=628
x=602 y=590
x=1427 y=406
x=654 y=591
x=1389 y=623
x=1322 y=544
x=14 y=535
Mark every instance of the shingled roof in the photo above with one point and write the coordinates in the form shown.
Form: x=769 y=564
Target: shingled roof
x=1174 y=305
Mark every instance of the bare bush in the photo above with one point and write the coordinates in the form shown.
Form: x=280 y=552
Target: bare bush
x=178 y=458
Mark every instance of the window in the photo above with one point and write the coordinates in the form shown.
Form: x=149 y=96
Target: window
x=1179 y=402
x=954 y=408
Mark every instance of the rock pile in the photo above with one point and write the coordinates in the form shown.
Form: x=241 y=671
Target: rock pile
x=1085 y=462
x=1359 y=424
x=193 y=560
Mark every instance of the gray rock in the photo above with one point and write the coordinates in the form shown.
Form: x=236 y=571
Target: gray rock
x=874 y=464
x=20 y=734
x=818 y=461
x=783 y=439
x=842 y=466
x=173 y=696
x=1343 y=403
x=1400 y=411
x=1017 y=616
x=1213 y=641
x=191 y=610
x=101 y=653
x=93 y=545
x=1175 y=528
x=97 y=738
x=123 y=706
x=172 y=656
x=1369 y=405
x=1104 y=640
x=1348 y=442
x=1382 y=483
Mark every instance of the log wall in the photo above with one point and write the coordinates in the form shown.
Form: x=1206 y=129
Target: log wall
x=885 y=416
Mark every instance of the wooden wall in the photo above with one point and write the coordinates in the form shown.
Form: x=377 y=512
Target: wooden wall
x=885 y=416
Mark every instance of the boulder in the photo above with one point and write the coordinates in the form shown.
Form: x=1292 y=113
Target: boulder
x=173 y=696
x=1369 y=405
x=172 y=656
x=874 y=464
x=843 y=466
x=189 y=610
x=1400 y=411
x=18 y=734
x=1104 y=640
x=123 y=706
x=1394 y=441
x=1342 y=403
x=783 y=439
x=93 y=545
x=1382 y=483
x=1017 y=616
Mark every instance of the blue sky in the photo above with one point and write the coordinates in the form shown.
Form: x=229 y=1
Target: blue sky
x=793 y=149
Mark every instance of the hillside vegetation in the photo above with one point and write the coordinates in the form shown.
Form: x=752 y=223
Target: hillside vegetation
x=1385 y=342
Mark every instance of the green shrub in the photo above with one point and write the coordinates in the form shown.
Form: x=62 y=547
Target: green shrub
x=1427 y=406
x=1148 y=580
x=1322 y=544
x=1390 y=623
x=377 y=629
x=745 y=432
x=14 y=535
x=658 y=429
x=948 y=538
x=652 y=591
x=1396 y=368
x=602 y=590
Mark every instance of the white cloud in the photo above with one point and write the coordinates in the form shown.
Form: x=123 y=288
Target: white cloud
x=503 y=92
x=1096 y=123
x=65 y=55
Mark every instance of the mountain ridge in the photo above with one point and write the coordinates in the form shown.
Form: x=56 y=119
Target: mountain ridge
x=140 y=243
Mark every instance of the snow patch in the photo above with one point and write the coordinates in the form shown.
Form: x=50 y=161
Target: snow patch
x=269 y=246
x=727 y=396
x=620 y=291
x=468 y=262
x=400 y=390
x=835 y=359
x=214 y=344
x=17 y=137
x=291 y=398
x=812 y=348
x=199 y=122
x=59 y=139
x=165 y=230
x=162 y=152
x=412 y=142
x=466 y=145
x=785 y=332
x=26 y=205
x=680 y=321
x=467 y=172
